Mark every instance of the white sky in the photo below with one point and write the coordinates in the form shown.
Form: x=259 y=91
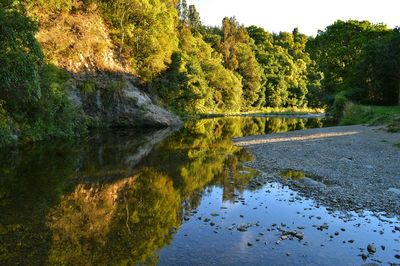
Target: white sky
x=307 y=15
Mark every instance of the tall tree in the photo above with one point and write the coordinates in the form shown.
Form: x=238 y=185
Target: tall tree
x=338 y=49
x=146 y=31
x=20 y=57
x=236 y=49
x=377 y=74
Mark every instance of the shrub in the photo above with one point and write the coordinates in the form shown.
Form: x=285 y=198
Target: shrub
x=6 y=128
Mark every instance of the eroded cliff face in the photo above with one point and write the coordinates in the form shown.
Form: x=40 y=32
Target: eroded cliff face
x=117 y=100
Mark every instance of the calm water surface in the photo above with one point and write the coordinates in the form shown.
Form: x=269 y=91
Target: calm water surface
x=171 y=198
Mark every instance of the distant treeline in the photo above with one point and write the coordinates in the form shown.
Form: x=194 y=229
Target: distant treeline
x=192 y=67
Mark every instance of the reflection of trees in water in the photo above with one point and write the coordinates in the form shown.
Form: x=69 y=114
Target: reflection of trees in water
x=202 y=153
x=62 y=204
x=29 y=186
x=124 y=222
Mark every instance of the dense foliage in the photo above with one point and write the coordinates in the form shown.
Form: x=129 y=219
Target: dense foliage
x=194 y=69
x=33 y=104
x=360 y=62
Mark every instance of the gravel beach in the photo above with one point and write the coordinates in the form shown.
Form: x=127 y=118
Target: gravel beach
x=348 y=168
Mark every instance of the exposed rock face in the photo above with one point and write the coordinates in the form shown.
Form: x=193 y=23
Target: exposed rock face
x=117 y=101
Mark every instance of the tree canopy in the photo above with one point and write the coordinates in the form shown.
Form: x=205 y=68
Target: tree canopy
x=194 y=69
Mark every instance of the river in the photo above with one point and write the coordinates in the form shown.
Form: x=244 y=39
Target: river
x=172 y=198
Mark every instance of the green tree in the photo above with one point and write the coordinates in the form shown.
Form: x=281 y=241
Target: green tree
x=20 y=58
x=145 y=32
x=236 y=49
x=196 y=81
x=338 y=49
x=377 y=74
x=285 y=67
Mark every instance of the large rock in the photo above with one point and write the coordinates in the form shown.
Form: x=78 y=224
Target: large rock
x=118 y=101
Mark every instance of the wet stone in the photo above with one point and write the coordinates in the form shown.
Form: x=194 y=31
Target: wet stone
x=371 y=248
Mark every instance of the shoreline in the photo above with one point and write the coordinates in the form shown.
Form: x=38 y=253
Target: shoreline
x=351 y=168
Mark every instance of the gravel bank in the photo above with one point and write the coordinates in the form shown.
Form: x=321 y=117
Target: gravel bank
x=347 y=168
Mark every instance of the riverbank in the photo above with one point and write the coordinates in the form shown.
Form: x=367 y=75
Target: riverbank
x=347 y=167
x=354 y=114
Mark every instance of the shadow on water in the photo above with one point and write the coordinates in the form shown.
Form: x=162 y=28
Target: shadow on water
x=119 y=198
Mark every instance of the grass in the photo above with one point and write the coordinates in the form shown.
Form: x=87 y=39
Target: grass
x=372 y=115
x=271 y=111
x=397 y=145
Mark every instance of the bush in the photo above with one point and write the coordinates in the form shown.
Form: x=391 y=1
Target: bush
x=339 y=104
x=372 y=115
x=6 y=128
x=55 y=115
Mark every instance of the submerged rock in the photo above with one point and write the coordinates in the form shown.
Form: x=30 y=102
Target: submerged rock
x=371 y=248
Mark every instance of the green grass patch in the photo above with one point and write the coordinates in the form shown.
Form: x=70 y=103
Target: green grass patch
x=269 y=111
x=397 y=145
x=354 y=114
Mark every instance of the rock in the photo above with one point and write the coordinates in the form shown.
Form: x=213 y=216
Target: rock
x=322 y=227
x=244 y=172
x=371 y=248
x=397 y=256
x=299 y=235
x=242 y=229
x=249 y=244
x=127 y=106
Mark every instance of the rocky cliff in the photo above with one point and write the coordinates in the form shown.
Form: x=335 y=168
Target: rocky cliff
x=117 y=100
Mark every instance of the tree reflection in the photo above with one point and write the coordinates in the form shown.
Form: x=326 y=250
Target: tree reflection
x=121 y=223
x=117 y=199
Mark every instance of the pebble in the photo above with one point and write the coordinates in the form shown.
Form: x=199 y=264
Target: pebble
x=371 y=248
x=242 y=229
